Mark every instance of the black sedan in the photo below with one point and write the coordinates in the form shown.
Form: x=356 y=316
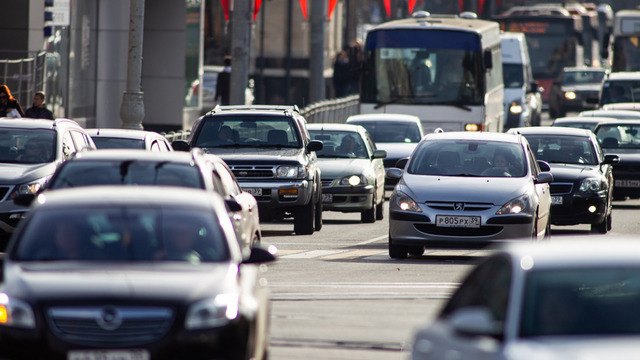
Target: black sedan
x=131 y=274
x=622 y=137
x=582 y=187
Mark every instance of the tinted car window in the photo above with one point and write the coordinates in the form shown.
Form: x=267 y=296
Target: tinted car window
x=28 y=146
x=513 y=75
x=340 y=144
x=124 y=234
x=126 y=172
x=117 y=143
x=248 y=131
x=559 y=149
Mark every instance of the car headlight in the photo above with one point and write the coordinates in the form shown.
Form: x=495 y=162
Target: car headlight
x=31 y=187
x=590 y=185
x=402 y=201
x=519 y=205
x=570 y=95
x=14 y=312
x=515 y=108
x=212 y=312
x=353 y=180
x=290 y=172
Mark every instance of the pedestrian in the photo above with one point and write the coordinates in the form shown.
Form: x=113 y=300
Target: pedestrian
x=39 y=109
x=341 y=73
x=355 y=68
x=223 y=84
x=9 y=106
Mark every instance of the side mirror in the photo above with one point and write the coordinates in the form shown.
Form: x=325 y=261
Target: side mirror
x=315 y=145
x=380 y=154
x=474 y=320
x=180 y=145
x=401 y=163
x=394 y=173
x=260 y=254
x=233 y=205
x=488 y=59
x=611 y=159
x=544 y=166
x=544 y=177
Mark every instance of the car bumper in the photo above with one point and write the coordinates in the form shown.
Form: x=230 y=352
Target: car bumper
x=407 y=228
x=216 y=343
x=348 y=199
x=579 y=209
x=279 y=194
x=626 y=185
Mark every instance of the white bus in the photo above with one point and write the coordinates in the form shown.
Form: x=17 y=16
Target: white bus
x=626 y=41
x=445 y=69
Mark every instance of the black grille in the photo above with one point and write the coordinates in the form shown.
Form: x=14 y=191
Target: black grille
x=462 y=232
x=3 y=191
x=250 y=171
x=561 y=188
x=136 y=325
x=327 y=182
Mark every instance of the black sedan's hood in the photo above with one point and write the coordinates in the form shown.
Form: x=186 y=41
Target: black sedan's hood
x=573 y=172
x=166 y=282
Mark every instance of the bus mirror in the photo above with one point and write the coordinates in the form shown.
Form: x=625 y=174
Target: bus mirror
x=488 y=59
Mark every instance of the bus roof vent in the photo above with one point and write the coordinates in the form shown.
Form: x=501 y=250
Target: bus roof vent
x=468 y=15
x=421 y=14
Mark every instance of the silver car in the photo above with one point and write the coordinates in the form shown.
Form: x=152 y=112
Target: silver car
x=573 y=298
x=110 y=138
x=352 y=170
x=468 y=188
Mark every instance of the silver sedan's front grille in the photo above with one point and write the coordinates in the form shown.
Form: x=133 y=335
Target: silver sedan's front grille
x=327 y=182
x=110 y=325
x=458 y=206
x=253 y=171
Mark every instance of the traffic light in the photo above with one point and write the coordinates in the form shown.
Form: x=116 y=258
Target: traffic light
x=48 y=17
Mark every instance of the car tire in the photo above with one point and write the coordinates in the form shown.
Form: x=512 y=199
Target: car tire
x=380 y=210
x=304 y=218
x=397 y=251
x=369 y=216
x=416 y=250
x=600 y=228
x=609 y=222
x=318 y=217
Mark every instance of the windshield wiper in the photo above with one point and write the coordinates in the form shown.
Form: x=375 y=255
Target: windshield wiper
x=457 y=104
x=391 y=101
x=277 y=146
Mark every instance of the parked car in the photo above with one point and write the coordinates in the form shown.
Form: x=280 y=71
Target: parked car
x=352 y=170
x=580 y=122
x=622 y=137
x=616 y=114
x=468 y=188
x=269 y=150
x=397 y=134
x=620 y=87
x=141 y=167
x=30 y=152
x=129 y=139
x=582 y=187
x=577 y=89
x=572 y=299
x=132 y=274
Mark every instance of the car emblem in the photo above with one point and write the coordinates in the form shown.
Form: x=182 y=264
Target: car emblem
x=458 y=206
x=243 y=173
x=109 y=318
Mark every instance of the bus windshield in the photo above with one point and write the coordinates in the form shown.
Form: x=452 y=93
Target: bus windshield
x=423 y=67
x=626 y=53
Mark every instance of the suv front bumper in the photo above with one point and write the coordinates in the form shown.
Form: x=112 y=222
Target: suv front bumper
x=276 y=194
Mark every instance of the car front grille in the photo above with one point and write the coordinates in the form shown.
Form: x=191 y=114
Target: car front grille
x=460 y=232
x=253 y=171
x=4 y=190
x=110 y=325
x=327 y=182
x=561 y=188
x=460 y=206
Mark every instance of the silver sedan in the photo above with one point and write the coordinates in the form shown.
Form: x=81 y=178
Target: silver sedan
x=468 y=188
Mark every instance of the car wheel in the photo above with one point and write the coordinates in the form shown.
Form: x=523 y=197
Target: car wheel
x=397 y=251
x=600 y=228
x=416 y=250
x=534 y=231
x=369 y=216
x=303 y=219
x=609 y=222
x=318 y=219
x=380 y=210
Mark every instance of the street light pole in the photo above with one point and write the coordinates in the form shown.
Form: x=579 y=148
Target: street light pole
x=316 y=52
x=240 y=29
x=132 y=108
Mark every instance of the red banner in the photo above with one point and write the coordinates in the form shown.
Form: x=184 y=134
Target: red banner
x=461 y=5
x=225 y=7
x=332 y=5
x=256 y=9
x=412 y=3
x=480 y=6
x=387 y=7
x=303 y=5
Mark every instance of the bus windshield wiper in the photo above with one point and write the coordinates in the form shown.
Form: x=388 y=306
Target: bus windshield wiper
x=457 y=104
x=391 y=101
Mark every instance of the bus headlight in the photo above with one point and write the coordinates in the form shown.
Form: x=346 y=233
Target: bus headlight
x=515 y=108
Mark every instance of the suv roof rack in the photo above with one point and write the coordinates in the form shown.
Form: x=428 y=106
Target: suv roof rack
x=256 y=107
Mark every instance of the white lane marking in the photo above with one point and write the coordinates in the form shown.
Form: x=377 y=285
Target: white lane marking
x=312 y=254
x=347 y=284
x=373 y=240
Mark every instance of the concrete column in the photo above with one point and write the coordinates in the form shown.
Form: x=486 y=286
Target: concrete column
x=240 y=30
x=316 y=51
x=132 y=109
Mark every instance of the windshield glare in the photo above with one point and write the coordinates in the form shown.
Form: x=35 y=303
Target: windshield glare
x=619 y=136
x=468 y=158
x=340 y=144
x=27 y=146
x=392 y=132
x=563 y=149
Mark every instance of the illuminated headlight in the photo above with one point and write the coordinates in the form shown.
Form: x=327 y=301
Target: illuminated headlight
x=515 y=108
x=14 y=312
x=290 y=172
x=472 y=127
x=353 y=180
x=519 y=205
x=31 y=187
x=214 y=312
x=570 y=95
x=590 y=185
x=402 y=201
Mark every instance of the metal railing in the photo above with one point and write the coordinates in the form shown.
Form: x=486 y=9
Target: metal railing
x=24 y=76
x=332 y=110
x=177 y=135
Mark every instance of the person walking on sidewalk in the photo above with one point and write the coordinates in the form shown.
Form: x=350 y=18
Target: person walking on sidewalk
x=223 y=84
x=39 y=109
x=9 y=106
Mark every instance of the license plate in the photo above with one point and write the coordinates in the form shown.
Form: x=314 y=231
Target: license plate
x=458 y=221
x=327 y=198
x=556 y=200
x=627 y=183
x=108 y=355
x=253 y=191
